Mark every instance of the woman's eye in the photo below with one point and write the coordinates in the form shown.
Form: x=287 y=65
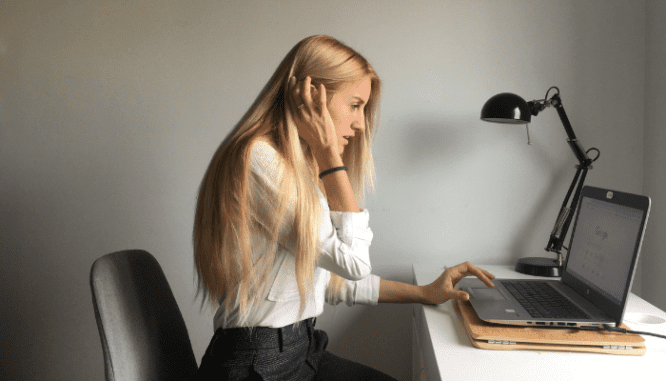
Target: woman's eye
x=356 y=107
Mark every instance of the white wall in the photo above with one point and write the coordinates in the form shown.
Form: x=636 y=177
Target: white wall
x=110 y=112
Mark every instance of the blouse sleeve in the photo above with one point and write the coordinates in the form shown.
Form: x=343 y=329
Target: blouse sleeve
x=364 y=291
x=345 y=243
x=345 y=237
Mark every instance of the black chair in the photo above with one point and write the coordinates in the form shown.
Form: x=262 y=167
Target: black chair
x=143 y=333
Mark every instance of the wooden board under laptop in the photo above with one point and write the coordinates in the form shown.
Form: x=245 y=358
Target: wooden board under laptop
x=500 y=337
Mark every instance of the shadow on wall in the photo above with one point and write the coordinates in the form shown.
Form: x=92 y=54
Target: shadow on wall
x=433 y=142
x=550 y=197
x=28 y=304
x=378 y=336
x=440 y=145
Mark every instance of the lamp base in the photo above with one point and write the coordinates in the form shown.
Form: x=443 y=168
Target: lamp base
x=539 y=266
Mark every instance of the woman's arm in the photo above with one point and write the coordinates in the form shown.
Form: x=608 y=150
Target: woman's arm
x=316 y=127
x=339 y=193
x=398 y=292
x=436 y=292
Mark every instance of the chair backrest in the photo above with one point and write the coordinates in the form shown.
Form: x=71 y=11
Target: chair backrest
x=143 y=333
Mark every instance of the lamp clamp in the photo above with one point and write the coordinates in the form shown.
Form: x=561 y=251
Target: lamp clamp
x=538 y=105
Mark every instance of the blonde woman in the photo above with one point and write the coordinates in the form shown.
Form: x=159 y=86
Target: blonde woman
x=278 y=230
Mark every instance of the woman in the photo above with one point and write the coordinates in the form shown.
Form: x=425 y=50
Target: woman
x=278 y=230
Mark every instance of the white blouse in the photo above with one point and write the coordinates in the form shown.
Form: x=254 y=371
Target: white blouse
x=345 y=241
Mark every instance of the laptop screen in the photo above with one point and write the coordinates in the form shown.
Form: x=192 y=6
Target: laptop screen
x=603 y=246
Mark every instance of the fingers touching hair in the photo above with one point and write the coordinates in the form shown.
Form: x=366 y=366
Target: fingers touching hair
x=329 y=62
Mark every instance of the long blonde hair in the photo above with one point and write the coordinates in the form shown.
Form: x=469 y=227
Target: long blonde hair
x=228 y=271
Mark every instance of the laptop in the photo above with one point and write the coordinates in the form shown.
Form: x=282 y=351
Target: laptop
x=596 y=278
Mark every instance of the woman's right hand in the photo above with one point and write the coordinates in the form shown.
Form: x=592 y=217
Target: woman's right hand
x=313 y=121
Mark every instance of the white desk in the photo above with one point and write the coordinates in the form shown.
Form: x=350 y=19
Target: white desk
x=442 y=350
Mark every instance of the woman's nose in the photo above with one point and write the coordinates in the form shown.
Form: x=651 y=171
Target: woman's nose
x=359 y=125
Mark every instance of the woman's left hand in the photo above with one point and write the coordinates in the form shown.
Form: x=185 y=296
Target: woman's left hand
x=442 y=289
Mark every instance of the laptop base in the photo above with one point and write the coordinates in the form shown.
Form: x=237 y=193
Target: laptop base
x=488 y=336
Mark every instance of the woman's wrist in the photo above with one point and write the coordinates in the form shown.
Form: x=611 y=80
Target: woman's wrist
x=338 y=189
x=334 y=169
x=328 y=160
x=425 y=295
x=398 y=292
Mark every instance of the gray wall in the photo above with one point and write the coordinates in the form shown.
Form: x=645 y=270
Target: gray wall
x=654 y=166
x=110 y=112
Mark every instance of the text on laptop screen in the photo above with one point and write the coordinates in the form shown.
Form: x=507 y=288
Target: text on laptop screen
x=603 y=246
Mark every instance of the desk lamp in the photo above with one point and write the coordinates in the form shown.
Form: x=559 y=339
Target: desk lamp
x=512 y=109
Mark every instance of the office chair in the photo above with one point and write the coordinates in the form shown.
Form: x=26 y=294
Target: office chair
x=143 y=333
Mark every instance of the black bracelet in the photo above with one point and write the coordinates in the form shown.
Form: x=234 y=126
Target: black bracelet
x=326 y=172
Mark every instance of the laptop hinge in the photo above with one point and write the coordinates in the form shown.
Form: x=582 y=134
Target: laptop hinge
x=501 y=342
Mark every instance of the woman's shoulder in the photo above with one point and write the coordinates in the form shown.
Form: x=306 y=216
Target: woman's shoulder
x=264 y=151
x=265 y=158
x=263 y=147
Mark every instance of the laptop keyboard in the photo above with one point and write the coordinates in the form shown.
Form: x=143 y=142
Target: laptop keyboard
x=541 y=300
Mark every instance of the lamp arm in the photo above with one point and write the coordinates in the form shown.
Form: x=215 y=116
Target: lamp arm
x=556 y=101
x=574 y=204
x=575 y=145
x=565 y=217
x=559 y=233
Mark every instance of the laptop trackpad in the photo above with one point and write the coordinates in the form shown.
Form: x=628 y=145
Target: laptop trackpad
x=488 y=294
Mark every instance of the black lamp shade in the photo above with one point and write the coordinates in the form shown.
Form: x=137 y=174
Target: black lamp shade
x=506 y=108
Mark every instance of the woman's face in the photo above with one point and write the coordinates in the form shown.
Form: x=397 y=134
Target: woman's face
x=346 y=110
